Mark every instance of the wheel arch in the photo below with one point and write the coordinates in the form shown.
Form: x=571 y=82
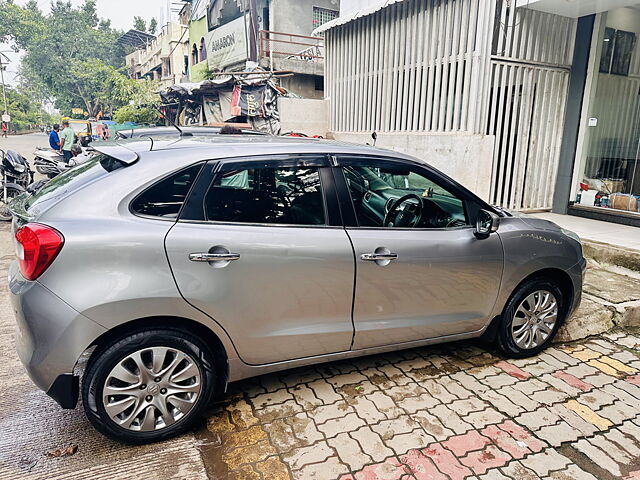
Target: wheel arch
x=557 y=275
x=170 y=322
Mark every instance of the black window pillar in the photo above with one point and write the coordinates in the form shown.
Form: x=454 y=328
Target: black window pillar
x=573 y=113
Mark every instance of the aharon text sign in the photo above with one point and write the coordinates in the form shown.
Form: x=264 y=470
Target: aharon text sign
x=227 y=44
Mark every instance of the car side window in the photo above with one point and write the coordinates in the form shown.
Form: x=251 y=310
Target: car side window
x=385 y=195
x=165 y=198
x=288 y=195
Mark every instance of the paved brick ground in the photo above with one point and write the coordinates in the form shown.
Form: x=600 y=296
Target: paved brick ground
x=449 y=412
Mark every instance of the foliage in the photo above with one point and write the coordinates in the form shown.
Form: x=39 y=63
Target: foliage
x=139 y=24
x=131 y=113
x=153 y=26
x=25 y=109
x=72 y=57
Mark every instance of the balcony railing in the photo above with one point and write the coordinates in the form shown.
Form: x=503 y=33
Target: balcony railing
x=291 y=46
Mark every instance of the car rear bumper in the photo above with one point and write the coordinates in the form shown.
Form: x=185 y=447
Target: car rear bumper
x=50 y=337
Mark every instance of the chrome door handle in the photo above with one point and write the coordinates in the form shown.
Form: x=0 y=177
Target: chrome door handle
x=214 y=257
x=376 y=257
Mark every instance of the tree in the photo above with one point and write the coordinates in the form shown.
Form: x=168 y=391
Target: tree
x=153 y=26
x=70 y=54
x=139 y=24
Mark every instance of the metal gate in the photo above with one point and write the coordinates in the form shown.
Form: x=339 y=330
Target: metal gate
x=530 y=64
x=526 y=115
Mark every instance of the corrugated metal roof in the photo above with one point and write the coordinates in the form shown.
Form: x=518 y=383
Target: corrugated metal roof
x=375 y=6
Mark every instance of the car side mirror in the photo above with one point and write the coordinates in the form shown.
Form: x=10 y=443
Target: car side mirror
x=486 y=224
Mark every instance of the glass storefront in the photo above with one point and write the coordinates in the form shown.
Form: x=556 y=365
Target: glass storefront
x=610 y=157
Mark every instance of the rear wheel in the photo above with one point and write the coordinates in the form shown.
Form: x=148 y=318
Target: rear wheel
x=148 y=386
x=5 y=214
x=531 y=318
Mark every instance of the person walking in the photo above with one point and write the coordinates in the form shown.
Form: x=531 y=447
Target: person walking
x=5 y=129
x=54 y=138
x=67 y=137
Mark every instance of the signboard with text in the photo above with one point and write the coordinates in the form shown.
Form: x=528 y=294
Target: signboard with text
x=227 y=44
x=6 y=118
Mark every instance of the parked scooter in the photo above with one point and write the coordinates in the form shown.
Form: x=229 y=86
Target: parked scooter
x=48 y=162
x=16 y=178
x=51 y=162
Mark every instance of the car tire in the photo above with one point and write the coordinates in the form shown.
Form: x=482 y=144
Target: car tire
x=161 y=418
x=511 y=337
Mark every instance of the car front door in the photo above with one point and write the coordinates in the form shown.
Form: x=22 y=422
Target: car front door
x=261 y=249
x=421 y=271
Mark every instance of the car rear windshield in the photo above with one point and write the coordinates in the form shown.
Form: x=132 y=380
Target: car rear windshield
x=74 y=179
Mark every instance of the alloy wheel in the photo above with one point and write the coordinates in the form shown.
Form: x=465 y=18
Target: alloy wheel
x=151 y=389
x=534 y=319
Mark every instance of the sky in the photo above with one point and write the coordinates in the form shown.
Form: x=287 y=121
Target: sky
x=120 y=12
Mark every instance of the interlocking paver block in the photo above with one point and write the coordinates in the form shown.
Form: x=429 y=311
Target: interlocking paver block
x=604 y=368
x=460 y=445
x=621 y=367
x=330 y=468
x=302 y=456
x=401 y=443
x=432 y=425
x=329 y=412
x=388 y=428
x=305 y=396
x=522 y=435
x=421 y=466
x=304 y=428
x=615 y=452
x=539 y=418
x=630 y=444
x=273 y=469
x=573 y=472
x=635 y=379
x=512 y=370
x=516 y=471
x=446 y=462
x=482 y=460
x=544 y=462
x=390 y=469
x=517 y=449
x=519 y=398
x=618 y=412
x=324 y=392
x=349 y=451
x=465 y=407
x=450 y=418
x=555 y=435
x=585 y=354
x=599 y=457
x=371 y=443
x=575 y=420
x=589 y=415
x=481 y=419
x=573 y=381
x=348 y=423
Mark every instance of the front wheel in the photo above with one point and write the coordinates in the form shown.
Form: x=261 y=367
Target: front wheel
x=5 y=213
x=148 y=386
x=531 y=318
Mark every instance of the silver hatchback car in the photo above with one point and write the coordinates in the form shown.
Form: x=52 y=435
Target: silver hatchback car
x=182 y=265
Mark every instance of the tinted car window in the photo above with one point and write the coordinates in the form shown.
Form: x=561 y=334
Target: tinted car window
x=165 y=198
x=290 y=196
x=376 y=191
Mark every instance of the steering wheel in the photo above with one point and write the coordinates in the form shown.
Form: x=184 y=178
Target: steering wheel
x=407 y=217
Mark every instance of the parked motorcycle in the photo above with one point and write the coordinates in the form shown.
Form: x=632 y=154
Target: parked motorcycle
x=16 y=177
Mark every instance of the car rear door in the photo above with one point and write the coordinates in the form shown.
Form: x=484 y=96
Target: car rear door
x=261 y=249
x=430 y=281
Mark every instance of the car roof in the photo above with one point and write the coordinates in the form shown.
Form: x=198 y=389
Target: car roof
x=229 y=146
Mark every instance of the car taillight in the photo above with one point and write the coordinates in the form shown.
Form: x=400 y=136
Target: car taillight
x=37 y=247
